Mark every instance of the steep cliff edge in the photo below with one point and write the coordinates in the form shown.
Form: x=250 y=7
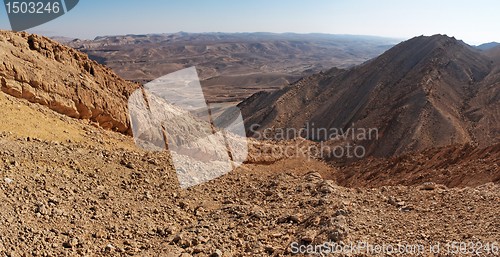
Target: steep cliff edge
x=43 y=71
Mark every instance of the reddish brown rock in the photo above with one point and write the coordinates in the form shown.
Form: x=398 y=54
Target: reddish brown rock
x=43 y=71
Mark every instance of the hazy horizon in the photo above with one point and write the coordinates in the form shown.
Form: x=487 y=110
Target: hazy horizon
x=474 y=23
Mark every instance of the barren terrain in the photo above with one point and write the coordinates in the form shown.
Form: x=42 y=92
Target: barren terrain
x=89 y=192
x=71 y=186
x=231 y=66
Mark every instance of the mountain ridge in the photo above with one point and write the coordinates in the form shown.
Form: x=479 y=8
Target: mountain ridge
x=487 y=46
x=417 y=92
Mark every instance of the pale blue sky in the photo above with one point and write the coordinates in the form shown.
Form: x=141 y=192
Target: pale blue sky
x=473 y=21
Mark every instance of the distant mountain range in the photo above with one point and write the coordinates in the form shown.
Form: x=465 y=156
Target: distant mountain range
x=487 y=46
x=232 y=66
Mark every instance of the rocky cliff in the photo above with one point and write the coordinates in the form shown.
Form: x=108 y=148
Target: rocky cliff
x=43 y=71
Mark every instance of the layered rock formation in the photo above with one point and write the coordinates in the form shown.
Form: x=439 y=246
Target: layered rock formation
x=45 y=72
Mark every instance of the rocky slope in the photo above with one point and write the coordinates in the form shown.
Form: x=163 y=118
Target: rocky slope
x=457 y=165
x=422 y=93
x=45 y=72
x=85 y=191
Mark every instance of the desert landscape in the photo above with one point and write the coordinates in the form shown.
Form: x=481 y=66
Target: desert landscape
x=231 y=66
x=75 y=184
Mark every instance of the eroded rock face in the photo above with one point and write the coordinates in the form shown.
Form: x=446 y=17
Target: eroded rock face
x=42 y=71
x=423 y=93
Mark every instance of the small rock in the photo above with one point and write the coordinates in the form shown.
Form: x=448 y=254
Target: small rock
x=313 y=177
x=181 y=240
x=341 y=212
x=340 y=229
x=326 y=187
x=199 y=211
x=53 y=200
x=406 y=208
x=109 y=248
x=100 y=234
x=308 y=237
x=43 y=210
x=217 y=253
x=297 y=218
x=197 y=250
x=396 y=202
x=8 y=180
x=148 y=195
x=269 y=249
x=127 y=164
x=429 y=186
x=71 y=243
